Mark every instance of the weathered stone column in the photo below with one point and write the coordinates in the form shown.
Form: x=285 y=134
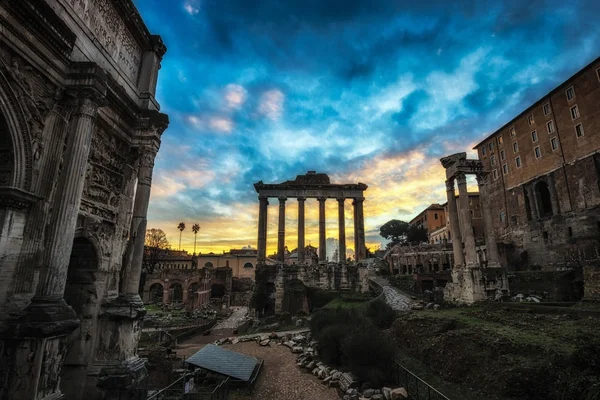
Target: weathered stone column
x=48 y=320
x=342 y=231
x=281 y=231
x=466 y=221
x=459 y=259
x=134 y=253
x=359 y=222
x=488 y=226
x=355 y=229
x=301 y=202
x=262 y=228
x=322 y=239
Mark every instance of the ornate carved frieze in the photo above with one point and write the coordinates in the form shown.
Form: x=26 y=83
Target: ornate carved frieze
x=35 y=95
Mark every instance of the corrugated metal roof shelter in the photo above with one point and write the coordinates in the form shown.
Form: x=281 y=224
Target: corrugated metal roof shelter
x=226 y=362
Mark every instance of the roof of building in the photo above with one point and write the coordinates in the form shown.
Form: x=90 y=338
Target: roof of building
x=225 y=362
x=550 y=93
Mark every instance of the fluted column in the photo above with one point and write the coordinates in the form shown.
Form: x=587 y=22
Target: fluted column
x=322 y=239
x=488 y=226
x=466 y=221
x=137 y=233
x=342 y=231
x=457 y=252
x=262 y=228
x=281 y=231
x=359 y=222
x=61 y=230
x=301 y=202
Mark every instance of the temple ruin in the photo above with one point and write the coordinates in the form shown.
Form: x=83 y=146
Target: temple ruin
x=472 y=280
x=285 y=285
x=79 y=130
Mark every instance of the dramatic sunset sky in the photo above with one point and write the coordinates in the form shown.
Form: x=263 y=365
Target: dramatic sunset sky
x=366 y=91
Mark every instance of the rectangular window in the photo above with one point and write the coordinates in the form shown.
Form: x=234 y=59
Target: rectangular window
x=534 y=136
x=435 y=216
x=495 y=174
x=515 y=147
x=500 y=140
x=579 y=130
x=570 y=93
x=554 y=143
x=518 y=162
x=512 y=131
x=502 y=155
x=483 y=149
x=538 y=152
x=574 y=112
x=530 y=119
x=491 y=146
x=546 y=108
x=505 y=169
x=550 y=126
x=493 y=160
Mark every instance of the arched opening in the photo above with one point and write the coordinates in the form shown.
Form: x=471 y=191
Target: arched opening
x=248 y=265
x=155 y=293
x=176 y=293
x=80 y=293
x=217 y=290
x=527 y=205
x=208 y=265
x=6 y=154
x=543 y=196
x=294 y=297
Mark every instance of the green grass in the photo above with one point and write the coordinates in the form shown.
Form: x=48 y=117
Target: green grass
x=350 y=300
x=560 y=335
x=152 y=308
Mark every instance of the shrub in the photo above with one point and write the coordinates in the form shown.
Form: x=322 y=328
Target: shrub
x=381 y=313
x=370 y=355
x=329 y=344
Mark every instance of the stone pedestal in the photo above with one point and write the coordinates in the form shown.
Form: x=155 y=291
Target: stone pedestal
x=119 y=372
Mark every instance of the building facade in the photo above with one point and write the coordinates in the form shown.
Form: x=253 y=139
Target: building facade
x=79 y=131
x=431 y=218
x=544 y=170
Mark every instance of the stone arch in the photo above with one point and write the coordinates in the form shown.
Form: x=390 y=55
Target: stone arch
x=542 y=192
x=17 y=131
x=208 y=264
x=294 y=297
x=155 y=293
x=217 y=290
x=176 y=292
x=248 y=265
x=81 y=293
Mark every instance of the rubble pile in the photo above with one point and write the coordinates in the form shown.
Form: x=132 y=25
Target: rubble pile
x=301 y=343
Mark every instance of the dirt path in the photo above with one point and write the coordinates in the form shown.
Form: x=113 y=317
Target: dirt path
x=394 y=297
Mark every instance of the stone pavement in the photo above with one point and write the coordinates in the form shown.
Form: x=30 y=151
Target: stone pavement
x=398 y=300
x=236 y=318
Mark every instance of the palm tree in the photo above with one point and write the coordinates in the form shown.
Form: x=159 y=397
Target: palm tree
x=181 y=227
x=195 y=229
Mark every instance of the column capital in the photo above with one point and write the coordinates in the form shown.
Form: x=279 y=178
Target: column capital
x=87 y=85
x=450 y=185
x=322 y=199
x=341 y=199
x=147 y=155
x=461 y=178
x=358 y=200
x=262 y=198
x=301 y=198
x=282 y=199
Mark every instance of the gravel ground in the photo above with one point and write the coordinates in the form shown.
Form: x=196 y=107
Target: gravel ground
x=235 y=319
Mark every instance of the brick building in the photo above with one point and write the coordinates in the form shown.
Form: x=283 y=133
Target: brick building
x=544 y=183
x=441 y=233
x=431 y=218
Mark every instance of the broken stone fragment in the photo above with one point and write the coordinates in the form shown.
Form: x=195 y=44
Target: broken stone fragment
x=265 y=342
x=297 y=349
x=399 y=394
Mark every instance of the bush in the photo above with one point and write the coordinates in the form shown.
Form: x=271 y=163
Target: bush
x=381 y=313
x=329 y=344
x=370 y=355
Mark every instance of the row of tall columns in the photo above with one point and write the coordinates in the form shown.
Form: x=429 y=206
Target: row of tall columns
x=461 y=224
x=359 y=229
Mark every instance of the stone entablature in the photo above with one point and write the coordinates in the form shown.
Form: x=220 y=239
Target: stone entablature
x=311 y=185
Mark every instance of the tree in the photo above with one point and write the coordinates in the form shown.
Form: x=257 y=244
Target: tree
x=394 y=230
x=417 y=234
x=181 y=227
x=195 y=229
x=156 y=238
